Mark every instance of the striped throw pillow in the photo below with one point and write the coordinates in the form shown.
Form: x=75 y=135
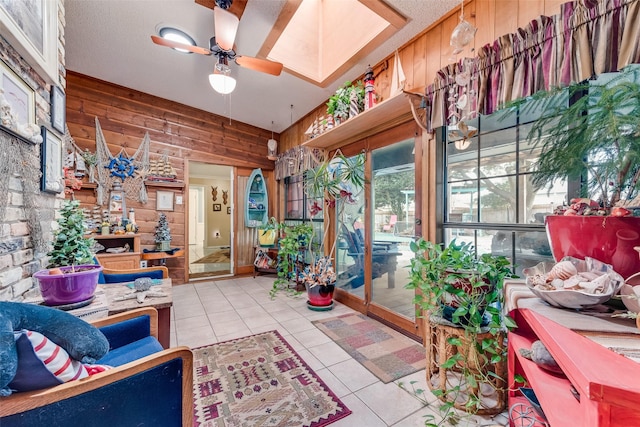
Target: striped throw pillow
x=42 y=363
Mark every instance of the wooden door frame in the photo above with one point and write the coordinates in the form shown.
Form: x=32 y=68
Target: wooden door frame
x=407 y=130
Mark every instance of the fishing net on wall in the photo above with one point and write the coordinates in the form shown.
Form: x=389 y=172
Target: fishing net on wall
x=129 y=171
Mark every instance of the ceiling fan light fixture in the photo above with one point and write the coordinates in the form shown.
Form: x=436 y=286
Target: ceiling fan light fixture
x=221 y=81
x=176 y=35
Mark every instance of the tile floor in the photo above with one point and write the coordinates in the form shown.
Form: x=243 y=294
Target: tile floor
x=217 y=310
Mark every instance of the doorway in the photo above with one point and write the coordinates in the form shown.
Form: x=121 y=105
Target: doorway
x=210 y=220
x=374 y=237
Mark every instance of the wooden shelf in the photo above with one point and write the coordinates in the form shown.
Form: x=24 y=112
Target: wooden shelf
x=90 y=185
x=165 y=184
x=389 y=113
x=162 y=255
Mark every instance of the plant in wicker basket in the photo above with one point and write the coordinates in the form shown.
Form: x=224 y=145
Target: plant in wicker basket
x=460 y=295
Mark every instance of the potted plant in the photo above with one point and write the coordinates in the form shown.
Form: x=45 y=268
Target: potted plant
x=267 y=233
x=292 y=247
x=463 y=292
x=71 y=276
x=595 y=139
x=340 y=101
x=332 y=183
x=162 y=235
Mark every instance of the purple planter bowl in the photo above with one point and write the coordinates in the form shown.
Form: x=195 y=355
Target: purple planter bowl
x=68 y=288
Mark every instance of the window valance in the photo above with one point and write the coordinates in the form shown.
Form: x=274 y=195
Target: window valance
x=587 y=38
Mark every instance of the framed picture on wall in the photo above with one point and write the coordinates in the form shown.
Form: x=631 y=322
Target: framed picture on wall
x=19 y=96
x=58 y=114
x=164 y=200
x=229 y=210
x=51 y=162
x=31 y=27
x=217 y=207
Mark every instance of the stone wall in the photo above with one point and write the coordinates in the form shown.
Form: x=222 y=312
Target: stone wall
x=26 y=214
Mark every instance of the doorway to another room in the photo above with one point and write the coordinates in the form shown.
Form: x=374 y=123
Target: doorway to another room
x=210 y=220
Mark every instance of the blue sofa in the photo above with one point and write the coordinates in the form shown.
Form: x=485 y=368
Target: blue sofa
x=148 y=386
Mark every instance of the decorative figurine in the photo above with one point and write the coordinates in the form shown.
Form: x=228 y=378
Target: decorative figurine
x=369 y=89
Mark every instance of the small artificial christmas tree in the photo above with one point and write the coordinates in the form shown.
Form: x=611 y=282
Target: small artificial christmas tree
x=163 y=234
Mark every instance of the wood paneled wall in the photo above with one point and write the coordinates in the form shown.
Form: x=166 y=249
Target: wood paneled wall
x=430 y=51
x=182 y=133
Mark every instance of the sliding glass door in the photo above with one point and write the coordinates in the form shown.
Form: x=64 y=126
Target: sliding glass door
x=374 y=235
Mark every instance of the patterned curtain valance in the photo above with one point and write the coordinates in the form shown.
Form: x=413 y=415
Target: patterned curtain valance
x=587 y=38
x=297 y=160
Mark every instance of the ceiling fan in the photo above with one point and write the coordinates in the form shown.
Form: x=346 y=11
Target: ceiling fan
x=221 y=45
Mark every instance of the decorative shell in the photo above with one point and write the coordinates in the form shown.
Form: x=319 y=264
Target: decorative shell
x=562 y=270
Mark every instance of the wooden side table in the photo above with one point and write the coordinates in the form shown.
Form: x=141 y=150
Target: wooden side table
x=162 y=304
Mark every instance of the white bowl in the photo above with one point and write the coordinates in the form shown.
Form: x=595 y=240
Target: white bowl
x=630 y=296
x=568 y=298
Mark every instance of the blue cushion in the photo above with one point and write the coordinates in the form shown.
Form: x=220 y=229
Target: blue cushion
x=130 y=277
x=130 y=352
x=127 y=331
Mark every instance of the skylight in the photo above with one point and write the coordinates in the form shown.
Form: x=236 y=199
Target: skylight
x=318 y=40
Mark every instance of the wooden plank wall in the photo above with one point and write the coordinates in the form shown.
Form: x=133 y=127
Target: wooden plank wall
x=430 y=51
x=182 y=133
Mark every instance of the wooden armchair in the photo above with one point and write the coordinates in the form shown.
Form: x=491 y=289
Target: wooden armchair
x=155 y=389
x=383 y=254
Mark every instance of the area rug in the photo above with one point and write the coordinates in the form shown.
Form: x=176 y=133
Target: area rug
x=257 y=381
x=219 y=256
x=388 y=354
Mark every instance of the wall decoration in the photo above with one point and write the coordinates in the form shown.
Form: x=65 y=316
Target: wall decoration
x=228 y=210
x=214 y=193
x=17 y=102
x=225 y=196
x=58 y=107
x=164 y=200
x=51 y=162
x=134 y=183
x=32 y=29
x=217 y=207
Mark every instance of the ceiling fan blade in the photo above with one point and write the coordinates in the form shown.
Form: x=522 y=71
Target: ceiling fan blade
x=164 y=42
x=226 y=26
x=262 y=65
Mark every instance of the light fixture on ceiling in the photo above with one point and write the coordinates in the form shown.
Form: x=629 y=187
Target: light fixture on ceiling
x=176 y=35
x=272 y=146
x=220 y=80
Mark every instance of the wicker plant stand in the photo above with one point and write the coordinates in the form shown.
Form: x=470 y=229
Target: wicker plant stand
x=492 y=391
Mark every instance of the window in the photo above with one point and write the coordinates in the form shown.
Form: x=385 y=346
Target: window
x=489 y=198
x=297 y=207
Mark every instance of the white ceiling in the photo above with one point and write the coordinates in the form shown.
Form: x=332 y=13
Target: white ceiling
x=110 y=40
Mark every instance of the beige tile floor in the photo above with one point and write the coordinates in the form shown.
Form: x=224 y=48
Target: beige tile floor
x=213 y=311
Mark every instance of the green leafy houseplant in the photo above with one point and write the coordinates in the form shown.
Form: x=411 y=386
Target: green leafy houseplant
x=332 y=183
x=455 y=284
x=339 y=102
x=71 y=247
x=290 y=246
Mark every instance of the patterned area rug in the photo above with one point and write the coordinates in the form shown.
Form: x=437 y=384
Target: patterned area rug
x=259 y=381
x=388 y=354
x=217 y=257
